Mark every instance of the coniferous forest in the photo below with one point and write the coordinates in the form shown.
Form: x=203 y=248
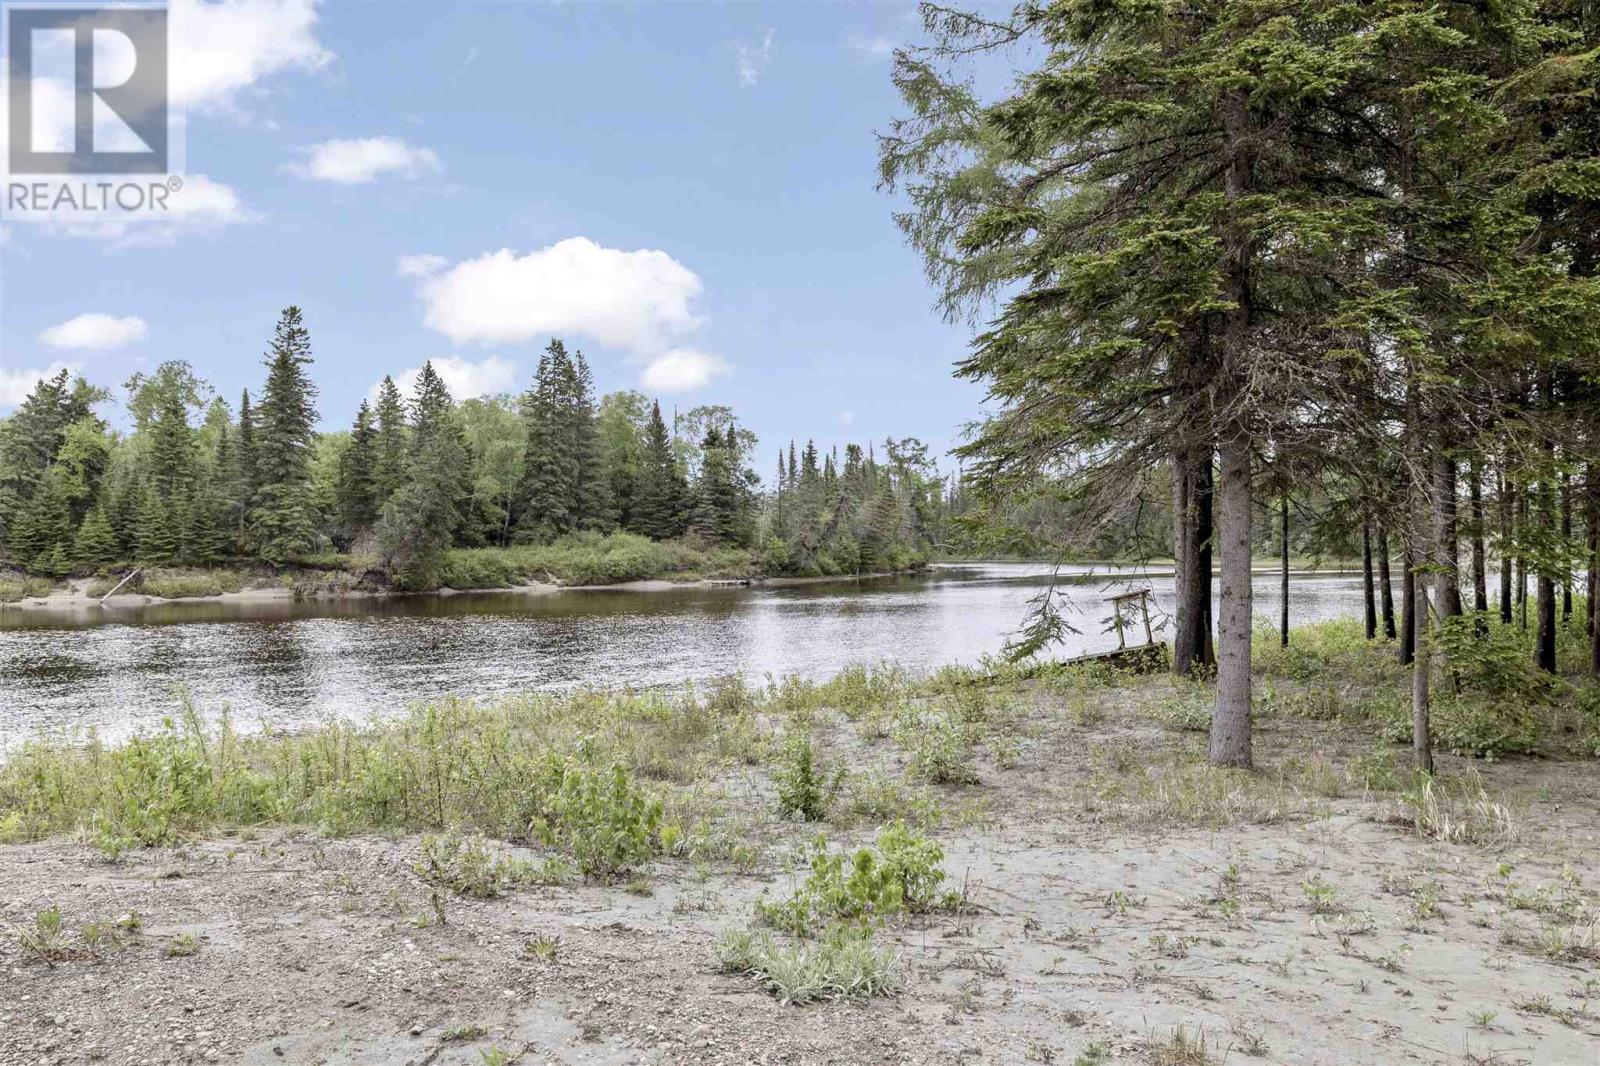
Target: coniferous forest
x=418 y=480
x=1243 y=255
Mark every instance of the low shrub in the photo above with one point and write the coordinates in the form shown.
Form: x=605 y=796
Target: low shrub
x=805 y=788
x=602 y=819
x=845 y=963
x=16 y=588
x=903 y=871
x=939 y=749
x=1188 y=710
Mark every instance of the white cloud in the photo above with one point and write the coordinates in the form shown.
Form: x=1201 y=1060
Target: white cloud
x=464 y=378
x=201 y=206
x=16 y=384
x=641 y=300
x=681 y=370
x=420 y=266
x=873 y=47
x=96 y=332
x=362 y=160
x=221 y=48
x=753 y=59
x=847 y=418
x=218 y=49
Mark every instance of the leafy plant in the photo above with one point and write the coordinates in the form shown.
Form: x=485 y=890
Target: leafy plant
x=902 y=872
x=805 y=788
x=602 y=819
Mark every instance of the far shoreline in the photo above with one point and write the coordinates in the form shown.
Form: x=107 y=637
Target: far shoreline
x=73 y=599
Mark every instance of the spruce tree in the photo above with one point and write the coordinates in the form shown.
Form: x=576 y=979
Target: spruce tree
x=356 y=497
x=421 y=518
x=659 y=513
x=244 y=477
x=594 y=505
x=389 y=455
x=95 y=544
x=549 y=494
x=283 y=518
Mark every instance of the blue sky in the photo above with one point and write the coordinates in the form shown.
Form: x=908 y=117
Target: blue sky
x=686 y=192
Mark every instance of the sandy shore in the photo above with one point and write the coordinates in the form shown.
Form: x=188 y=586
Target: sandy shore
x=75 y=596
x=1106 y=923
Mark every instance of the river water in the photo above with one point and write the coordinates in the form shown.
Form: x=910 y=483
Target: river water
x=286 y=663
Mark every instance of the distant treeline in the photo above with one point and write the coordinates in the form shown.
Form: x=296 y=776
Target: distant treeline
x=196 y=482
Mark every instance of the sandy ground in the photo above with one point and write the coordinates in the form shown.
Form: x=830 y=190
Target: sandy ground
x=1085 y=926
x=73 y=596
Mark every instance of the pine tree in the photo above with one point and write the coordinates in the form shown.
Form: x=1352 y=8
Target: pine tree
x=549 y=494
x=594 y=506
x=356 y=497
x=157 y=528
x=96 y=544
x=244 y=477
x=661 y=491
x=30 y=439
x=389 y=457
x=421 y=518
x=283 y=519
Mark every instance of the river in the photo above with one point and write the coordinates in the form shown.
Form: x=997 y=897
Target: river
x=286 y=663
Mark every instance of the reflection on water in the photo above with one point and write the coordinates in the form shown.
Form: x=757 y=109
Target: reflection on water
x=287 y=663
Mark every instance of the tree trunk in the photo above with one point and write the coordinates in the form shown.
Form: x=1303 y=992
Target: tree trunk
x=1504 y=487
x=1206 y=530
x=1480 y=574
x=1387 y=585
x=1447 y=549
x=1545 y=645
x=1594 y=569
x=1421 y=669
x=1193 y=589
x=1283 y=626
x=1566 y=538
x=1370 y=615
x=1408 y=603
x=1429 y=524
x=1522 y=561
x=1230 y=721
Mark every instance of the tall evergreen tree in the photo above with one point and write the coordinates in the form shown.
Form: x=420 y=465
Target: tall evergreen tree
x=283 y=518
x=389 y=458
x=356 y=498
x=551 y=470
x=421 y=518
x=660 y=511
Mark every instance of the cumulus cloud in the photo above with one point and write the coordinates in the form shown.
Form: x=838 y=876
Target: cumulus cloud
x=638 y=300
x=363 y=160
x=219 y=49
x=464 y=378
x=753 y=59
x=16 y=384
x=643 y=302
x=96 y=332
x=222 y=48
x=681 y=370
x=420 y=266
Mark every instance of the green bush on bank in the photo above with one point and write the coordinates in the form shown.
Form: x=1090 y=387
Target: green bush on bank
x=591 y=559
x=1489 y=699
x=21 y=587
